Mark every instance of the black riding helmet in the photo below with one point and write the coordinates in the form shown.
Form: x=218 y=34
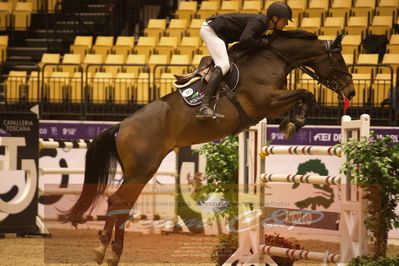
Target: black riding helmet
x=280 y=10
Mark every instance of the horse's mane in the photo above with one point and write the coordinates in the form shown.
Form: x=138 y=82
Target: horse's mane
x=294 y=34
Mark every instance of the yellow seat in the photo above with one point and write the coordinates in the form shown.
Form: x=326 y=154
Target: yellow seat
x=363 y=8
x=167 y=46
x=197 y=59
x=381 y=25
x=381 y=86
x=327 y=37
x=393 y=45
x=308 y=83
x=92 y=63
x=229 y=7
x=181 y=59
x=317 y=8
x=157 y=63
x=166 y=84
x=340 y=8
x=77 y=82
x=3 y=47
x=186 y=10
x=298 y=8
x=69 y=59
x=5 y=15
x=357 y=26
x=34 y=94
x=252 y=7
x=349 y=58
x=155 y=28
x=333 y=25
x=124 y=45
x=16 y=87
x=103 y=45
x=57 y=87
x=367 y=59
x=390 y=59
x=21 y=15
x=142 y=92
x=388 y=8
x=101 y=87
x=145 y=45
x=203 y=49
x=311 y=24
x=48 y=61
x=194 y=28
x=361 y=83
x=177 y=28
x=208 y=9
x=351 y=44
x=189 y=45
x=81 y=45
x=139 y=61
x=113 y=64
x=124 y=88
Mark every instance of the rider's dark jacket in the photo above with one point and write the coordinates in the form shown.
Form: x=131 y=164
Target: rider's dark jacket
x=245 y=28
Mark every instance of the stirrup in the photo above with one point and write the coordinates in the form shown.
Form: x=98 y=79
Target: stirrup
x=202 y=116
x=217 y=116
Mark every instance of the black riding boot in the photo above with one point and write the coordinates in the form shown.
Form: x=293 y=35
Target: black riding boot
x=205 y=112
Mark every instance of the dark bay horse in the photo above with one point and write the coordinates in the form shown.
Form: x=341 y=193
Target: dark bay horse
x=142 y=140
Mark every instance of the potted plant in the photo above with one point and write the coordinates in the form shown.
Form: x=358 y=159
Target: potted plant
x=374 y=163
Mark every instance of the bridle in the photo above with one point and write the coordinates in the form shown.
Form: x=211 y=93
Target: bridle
x=331 y=83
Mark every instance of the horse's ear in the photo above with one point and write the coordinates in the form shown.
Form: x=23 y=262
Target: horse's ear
x=338 y=40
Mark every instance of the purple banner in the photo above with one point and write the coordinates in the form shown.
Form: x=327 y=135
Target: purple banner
x=308 y=135
x=320 y=136
x=71 y=130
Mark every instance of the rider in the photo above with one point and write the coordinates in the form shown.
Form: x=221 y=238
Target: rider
x=220 y=30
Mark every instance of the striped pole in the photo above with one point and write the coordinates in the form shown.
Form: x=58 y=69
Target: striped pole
x=79 y=171
x=299 y=254
x=73 y=191
x=67 y=144
x=310 y=179
x=301 y=150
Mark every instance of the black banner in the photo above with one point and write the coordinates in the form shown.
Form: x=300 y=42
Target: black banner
x=19 y=135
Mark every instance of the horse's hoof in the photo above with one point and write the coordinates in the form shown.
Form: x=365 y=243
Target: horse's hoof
x=290 y=130
x=283 y=124
x=114 y=260
x=99 y=254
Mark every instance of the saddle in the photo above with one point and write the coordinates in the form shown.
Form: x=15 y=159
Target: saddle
x=191 y=86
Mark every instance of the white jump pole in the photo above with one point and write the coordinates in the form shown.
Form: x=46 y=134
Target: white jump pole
x=353 y=234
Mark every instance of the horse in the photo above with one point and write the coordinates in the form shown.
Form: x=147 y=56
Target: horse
x=141 y=141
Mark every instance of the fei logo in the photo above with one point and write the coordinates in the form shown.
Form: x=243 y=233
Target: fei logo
x=322 y=137
x=8 y=169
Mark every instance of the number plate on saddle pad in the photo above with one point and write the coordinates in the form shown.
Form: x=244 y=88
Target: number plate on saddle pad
x=194 y=93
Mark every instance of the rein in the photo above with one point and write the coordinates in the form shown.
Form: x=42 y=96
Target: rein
x=330 y=84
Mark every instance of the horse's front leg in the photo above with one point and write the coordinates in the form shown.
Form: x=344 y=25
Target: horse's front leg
x=289 y=100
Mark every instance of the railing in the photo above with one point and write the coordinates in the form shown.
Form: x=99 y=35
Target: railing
x=95 y=87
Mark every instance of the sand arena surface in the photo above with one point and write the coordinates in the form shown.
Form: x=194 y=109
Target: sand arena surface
x=74 y=247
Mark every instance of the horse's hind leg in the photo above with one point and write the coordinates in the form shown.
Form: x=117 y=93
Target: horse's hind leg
x=104 y=237
x=139 y=169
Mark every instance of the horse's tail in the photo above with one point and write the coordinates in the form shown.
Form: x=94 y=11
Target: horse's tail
x=101 y=158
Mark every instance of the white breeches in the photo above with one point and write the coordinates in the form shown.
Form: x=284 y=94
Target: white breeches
x=216 y=47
